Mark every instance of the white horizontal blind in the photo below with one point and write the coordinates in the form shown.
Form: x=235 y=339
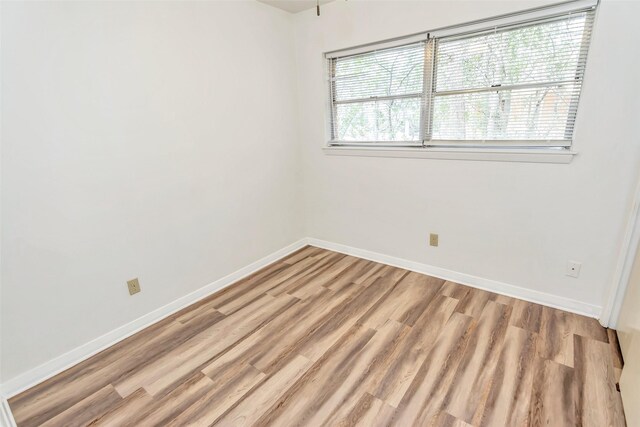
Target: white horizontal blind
x=377 y=96
x=519 y=83
x=513 y=84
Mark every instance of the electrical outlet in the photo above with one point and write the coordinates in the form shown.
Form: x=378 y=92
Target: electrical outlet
x=573 y=268
x=134 y=286
x=433 y=239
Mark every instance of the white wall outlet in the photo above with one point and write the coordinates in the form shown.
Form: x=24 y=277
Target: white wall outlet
x=573 y=268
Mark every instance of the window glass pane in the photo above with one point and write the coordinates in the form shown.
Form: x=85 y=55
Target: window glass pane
x=383 y=120
x=388 y=72
x=545 y=52
x=538 y=113
x=521 y=82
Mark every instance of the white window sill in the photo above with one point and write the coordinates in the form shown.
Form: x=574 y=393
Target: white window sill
x=526 y=155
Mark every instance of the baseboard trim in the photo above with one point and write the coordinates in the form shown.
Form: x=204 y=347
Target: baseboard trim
x=6 y=417
x=53 y=367
x=530 y=295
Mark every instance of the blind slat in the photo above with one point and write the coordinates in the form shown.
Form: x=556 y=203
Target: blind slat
x=376 y=96
x=521 y=83
x=517 y=83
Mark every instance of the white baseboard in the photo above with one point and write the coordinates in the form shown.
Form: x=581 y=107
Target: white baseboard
x=48 y=369
x=6 y=417
x=530 y=295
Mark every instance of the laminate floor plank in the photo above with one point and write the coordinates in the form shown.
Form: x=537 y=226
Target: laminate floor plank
x=510 y=392
x=315 y=283
x=213 y=346
x=556 y=336
x=588 y=327
x=339 y=361
x=503 y=299
x=616 y=353
x=64 y=390
x=598 y=402
x=85 y=411
x=407 y=299
x=246 y=290
x=557 y=330
x=369 y=365
x=454 y=290
x=225 y=391
x=201 y=347
x=279 y=339
x=375 y=270
x=240 y=290
x=473 y=303
x=162 y=410
x=443 y=419
x=345 y=316
x=392 y=274
x=425 y=396
x=257 y=288
x=369 y=411
x=526 y=315
x=411 y=353
x=553 y=395
x=422 y=290
x=473 y=378
x=301 y=254
x=321 y=338
x=187 y=316
x=319 y=265
x=263 y=396
x=120 y=413
x=333 y=378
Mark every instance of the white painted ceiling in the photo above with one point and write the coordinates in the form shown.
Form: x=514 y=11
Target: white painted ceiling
x=294 y=6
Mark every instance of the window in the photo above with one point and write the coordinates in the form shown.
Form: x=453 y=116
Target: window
x=508 y=82
x=378 y=96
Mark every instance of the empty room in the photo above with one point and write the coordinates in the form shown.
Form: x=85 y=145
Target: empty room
x=320 y=213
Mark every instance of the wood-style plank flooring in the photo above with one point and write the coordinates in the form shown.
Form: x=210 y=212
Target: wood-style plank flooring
x=321 y=338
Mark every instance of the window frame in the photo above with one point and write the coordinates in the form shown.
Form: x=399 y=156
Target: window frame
x=333 y=102
x=429 y=94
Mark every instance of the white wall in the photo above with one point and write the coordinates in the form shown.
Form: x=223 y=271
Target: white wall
x=180 y=141
x=517 y=223
x=140 y=139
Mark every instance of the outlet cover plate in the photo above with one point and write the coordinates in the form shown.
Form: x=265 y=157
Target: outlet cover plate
x=573 y=268
x=433 y=239
x=134 y=286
